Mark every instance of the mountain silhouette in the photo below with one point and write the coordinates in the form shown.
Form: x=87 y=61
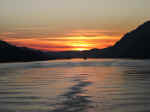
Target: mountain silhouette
x=135 y=44
x=11 y=53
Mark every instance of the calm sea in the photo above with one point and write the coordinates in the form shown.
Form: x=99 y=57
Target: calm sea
x=94 y=85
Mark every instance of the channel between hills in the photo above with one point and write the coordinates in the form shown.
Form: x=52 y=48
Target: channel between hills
x=134 y=44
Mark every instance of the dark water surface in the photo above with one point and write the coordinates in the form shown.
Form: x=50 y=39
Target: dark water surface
x=102 y=85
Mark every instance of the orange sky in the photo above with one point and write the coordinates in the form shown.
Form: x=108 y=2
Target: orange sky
x=64 y=44
x=75 y=40
x=60 y=25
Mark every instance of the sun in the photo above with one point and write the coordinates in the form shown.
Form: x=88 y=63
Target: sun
x=80 y=49
x=80 y=46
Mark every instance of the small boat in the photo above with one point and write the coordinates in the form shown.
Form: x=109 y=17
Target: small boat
x=85 y=58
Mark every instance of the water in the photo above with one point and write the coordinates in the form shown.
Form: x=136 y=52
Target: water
x=102 y=85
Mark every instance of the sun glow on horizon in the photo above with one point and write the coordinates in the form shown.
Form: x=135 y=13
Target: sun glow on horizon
x=80 y=49
x=64 y=43
x=81 y=46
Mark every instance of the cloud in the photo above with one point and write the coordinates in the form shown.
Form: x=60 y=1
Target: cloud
x=42 y=45
x=94 y=33
x=65 y=40
x=8 y=33
x=63 y=44
x=46 y=34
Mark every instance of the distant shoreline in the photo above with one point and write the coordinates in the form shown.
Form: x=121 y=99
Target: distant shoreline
x=71 y=59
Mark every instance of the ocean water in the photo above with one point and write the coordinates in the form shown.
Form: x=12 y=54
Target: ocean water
x=93 y=85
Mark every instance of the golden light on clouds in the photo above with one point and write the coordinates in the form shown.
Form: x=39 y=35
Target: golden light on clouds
x=64 y=44
x=81 y=46
x=74 y=40
x=80 y=49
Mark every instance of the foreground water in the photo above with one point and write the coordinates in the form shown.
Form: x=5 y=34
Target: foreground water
x=103 y=85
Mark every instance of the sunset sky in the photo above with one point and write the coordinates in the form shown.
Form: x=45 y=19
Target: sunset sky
x=69 y=24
